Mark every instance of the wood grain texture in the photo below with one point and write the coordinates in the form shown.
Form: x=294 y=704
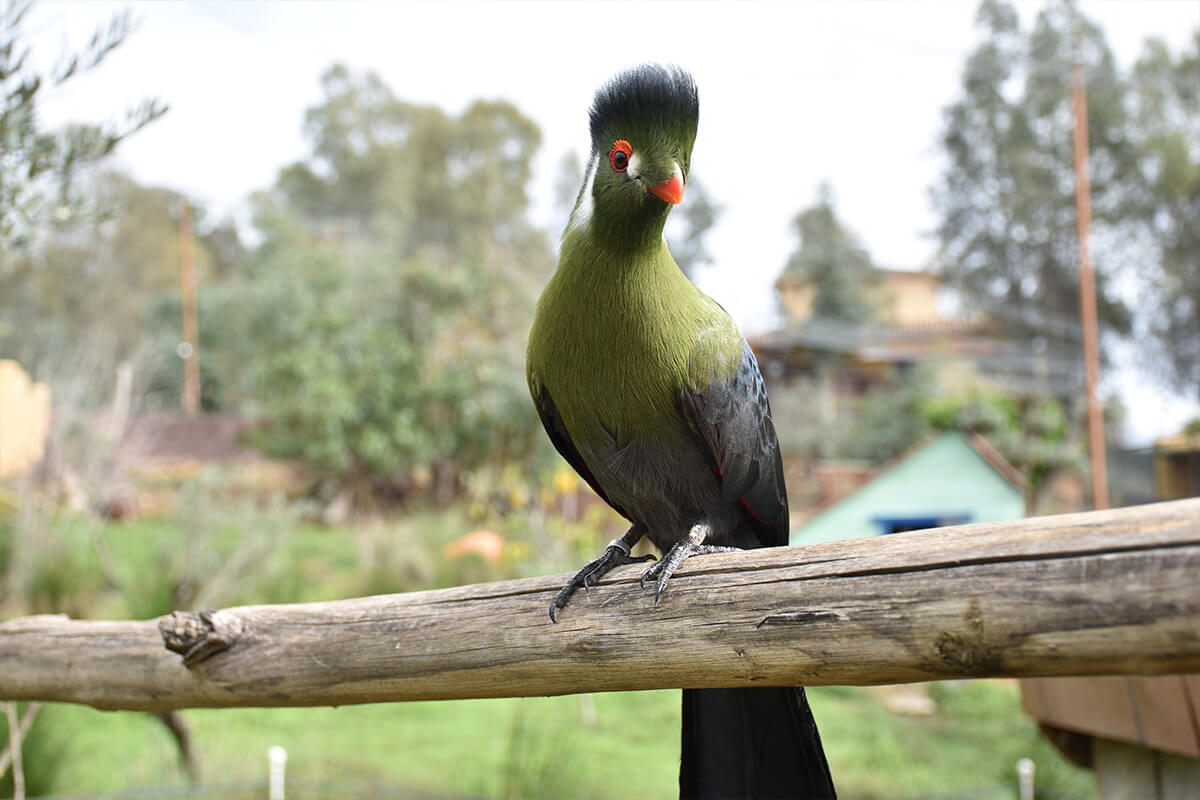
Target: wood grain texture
x=1108 y=592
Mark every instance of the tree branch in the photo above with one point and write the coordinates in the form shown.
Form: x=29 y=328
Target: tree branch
x=1106 y=592
x=11 y=755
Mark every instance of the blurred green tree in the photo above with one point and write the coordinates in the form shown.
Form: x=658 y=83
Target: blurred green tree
x=393 y=289
x=833 y=263
x=38 y=166
x=1166 y=127
x=47 y=275
x=80 y=298
x=1006 y=200
x=889 y=419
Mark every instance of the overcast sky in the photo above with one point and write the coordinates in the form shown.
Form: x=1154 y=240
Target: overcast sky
x=791 y=94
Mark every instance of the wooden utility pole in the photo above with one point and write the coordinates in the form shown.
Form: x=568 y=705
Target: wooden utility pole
x=1087 y=297
x=188 y=348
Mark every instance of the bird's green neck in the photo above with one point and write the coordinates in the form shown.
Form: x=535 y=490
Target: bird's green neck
x=626 y=277
x=626 y=233
x=620 y=330
x=601 y=251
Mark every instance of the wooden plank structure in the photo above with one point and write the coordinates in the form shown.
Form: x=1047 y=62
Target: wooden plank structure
x=1140 y=733
x=1154 y=712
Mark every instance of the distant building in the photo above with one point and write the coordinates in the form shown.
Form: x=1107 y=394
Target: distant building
x=156 y=441
x=1177 y=466
x=834 y=363
x=905 y=298
x=950 y=479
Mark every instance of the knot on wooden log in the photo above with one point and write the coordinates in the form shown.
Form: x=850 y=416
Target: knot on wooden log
x=969 y=649
x=201 y=636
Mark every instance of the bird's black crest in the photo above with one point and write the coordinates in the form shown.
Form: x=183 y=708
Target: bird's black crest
x=647 y=92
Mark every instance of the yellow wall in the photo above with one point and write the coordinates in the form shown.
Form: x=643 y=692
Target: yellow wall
x=24 y=419
x=903 y=298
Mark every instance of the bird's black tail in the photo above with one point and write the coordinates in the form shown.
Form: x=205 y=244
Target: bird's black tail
x=752 y=743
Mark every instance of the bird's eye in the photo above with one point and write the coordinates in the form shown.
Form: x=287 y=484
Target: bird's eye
x=619 y=155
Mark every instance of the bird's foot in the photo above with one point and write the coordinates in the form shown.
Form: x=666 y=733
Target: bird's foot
x=661 y=571
x=616 y=554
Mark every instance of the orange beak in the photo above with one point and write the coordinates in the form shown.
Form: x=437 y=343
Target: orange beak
x=670 y=191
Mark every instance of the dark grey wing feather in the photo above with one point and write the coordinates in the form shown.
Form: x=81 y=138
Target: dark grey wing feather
x=561 y=439
x=749 y=741
x=733 y=419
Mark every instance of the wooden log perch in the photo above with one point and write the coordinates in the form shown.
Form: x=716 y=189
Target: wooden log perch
x=1107 y=592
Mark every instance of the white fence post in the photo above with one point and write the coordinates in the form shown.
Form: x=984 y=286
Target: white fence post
x=277 y=759
x=1025 y=770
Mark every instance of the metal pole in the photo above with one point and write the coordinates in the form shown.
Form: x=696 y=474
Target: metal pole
x=1087 y=297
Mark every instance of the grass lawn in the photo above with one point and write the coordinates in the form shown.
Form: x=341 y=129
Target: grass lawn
x=625 y=745
x=603 y=746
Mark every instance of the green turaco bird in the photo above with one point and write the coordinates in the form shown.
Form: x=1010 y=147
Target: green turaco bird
x=647 y=388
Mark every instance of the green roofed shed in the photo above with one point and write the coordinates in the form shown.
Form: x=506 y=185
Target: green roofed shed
x=950 y=479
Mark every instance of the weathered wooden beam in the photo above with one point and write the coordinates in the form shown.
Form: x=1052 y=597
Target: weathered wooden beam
x=1107 y=592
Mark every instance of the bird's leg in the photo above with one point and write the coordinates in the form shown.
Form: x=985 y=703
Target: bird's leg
x=692 y=544
x=616 y=554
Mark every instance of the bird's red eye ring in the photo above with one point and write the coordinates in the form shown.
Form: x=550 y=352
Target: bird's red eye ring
x=619 y=155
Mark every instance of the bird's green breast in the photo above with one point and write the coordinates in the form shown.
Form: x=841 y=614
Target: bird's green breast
x=617 y=335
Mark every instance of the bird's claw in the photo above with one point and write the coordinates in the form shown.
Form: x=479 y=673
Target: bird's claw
x=647 y=574
x=615 y=555
x=660 y=572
